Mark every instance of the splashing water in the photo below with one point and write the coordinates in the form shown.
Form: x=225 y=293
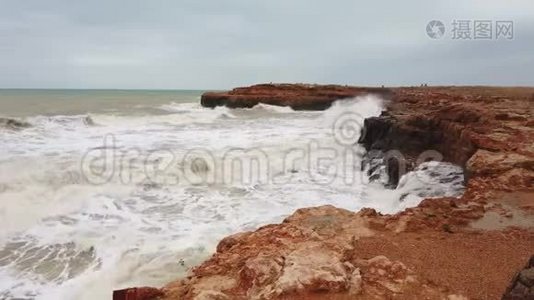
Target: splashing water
x=65 y=238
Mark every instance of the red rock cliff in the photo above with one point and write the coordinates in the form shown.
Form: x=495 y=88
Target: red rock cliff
x=448 y=248
x=297 y=96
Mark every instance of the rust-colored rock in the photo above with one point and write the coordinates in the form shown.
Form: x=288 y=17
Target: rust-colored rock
x=296 y=96
x=311 y=252
x=329 y=251
x=139 y=293
x=448 y=248
x=456 y=122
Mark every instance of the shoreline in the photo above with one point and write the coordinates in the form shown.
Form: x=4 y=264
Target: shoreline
x=446 y=247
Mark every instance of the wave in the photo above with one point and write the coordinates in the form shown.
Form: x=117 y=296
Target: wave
x=360 y=107
x=63 y=121
x=196 y=113
x=13 y=124
x=121 y=234
x=180 y=114
x=175 y=107
x=193 y=108
x=428 y=180
x=272 y=108
x=158 y=121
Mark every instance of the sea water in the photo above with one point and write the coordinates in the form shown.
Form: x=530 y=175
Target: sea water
x=102 y=190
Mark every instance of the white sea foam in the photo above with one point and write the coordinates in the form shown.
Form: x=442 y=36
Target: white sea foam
x=273 y=108
x=65 y=238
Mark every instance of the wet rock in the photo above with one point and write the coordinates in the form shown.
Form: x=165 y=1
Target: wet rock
x=487 y=138
x=522 y=285
x=87 y=120
x=13 y=124
x=526 y=277
x=320 y=251
x=296 y=96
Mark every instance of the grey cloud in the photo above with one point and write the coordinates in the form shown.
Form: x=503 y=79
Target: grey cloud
x=220 y=44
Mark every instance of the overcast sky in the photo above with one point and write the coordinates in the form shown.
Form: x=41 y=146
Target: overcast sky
x=218 y=44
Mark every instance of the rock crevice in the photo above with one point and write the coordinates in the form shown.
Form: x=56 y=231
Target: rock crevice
x=451 y=127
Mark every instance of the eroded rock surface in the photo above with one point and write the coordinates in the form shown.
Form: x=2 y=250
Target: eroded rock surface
x=457 y=123
x=427 y=252
x=447 y=248
x=311 y=252
x=296 y=96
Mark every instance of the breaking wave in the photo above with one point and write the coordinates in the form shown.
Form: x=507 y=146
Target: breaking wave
x=273 y=108
x=65 y=238
x=13 y=124
x=63 y=121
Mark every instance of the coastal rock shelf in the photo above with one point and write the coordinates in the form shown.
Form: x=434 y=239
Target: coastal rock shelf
x=457 y=123
x=446 y=248
x=296 y=96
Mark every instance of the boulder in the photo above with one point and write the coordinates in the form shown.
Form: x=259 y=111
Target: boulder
x=522 y=285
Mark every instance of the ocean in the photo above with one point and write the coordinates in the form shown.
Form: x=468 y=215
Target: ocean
x=108 y=189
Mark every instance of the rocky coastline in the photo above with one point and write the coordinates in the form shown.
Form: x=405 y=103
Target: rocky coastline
x=296 y=96
x=449 y=248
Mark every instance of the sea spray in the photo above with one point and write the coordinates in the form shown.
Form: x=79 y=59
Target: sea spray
x=141 y=231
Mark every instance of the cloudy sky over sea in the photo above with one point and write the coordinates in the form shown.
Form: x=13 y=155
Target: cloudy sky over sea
x=196 y=44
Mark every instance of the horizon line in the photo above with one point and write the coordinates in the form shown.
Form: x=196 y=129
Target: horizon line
x=223 y=89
